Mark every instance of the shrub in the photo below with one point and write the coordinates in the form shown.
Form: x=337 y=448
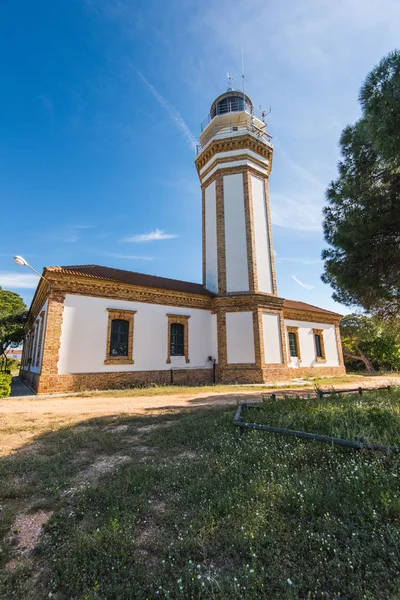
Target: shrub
x=12 y=365
x=5 y=385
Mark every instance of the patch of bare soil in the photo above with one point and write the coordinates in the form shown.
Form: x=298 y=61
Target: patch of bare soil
x=28 y=528
x=101 y=466
x=146 y=542
x=117 y=428
x=147 y=538
x=149 y=428
x=186 y=455
x=159 y=506
x=146 y=452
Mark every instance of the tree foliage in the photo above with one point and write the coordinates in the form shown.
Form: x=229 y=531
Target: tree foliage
x=371 y=341
x=12 y=320
x=362 y=218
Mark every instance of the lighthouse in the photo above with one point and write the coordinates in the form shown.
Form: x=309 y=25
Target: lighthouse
x=232 y=328
x=234 y=161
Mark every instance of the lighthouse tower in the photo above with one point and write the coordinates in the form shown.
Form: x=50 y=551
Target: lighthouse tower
x=233 y=161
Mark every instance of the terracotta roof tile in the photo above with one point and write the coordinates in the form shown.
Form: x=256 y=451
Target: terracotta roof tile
x=294 y=305
x=132 y=278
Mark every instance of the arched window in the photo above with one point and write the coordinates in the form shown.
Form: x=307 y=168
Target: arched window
x=119 y=337
x=293 y=344
x=177 y=339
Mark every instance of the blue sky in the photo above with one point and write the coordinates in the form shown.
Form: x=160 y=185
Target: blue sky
x=100 y=103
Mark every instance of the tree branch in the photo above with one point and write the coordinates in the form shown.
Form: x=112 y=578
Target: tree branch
x=368 y=364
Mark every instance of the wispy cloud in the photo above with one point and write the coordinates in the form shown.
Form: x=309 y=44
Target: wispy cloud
x=304 y=285
x=69 y=233
x=318 y=45
x=18 y=280
x=298 y=204
x=306 y=35
x=157 y=234
x=298 y=210
x=172 y=112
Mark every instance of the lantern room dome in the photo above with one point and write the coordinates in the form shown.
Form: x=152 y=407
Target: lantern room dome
x=231 y=101
x=233 y=113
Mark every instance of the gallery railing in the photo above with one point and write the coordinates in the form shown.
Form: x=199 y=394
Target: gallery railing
x=234 y=128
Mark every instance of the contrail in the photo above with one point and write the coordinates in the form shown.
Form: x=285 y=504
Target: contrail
x=304 y=285
x=171 y=110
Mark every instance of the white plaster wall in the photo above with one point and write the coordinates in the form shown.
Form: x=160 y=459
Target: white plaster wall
x=211 y=239
x=263 y=258
x=34 y=368
x=307 y=346
x=237 y=276
x=272 y=339
x=240 y=337
x=84 y=336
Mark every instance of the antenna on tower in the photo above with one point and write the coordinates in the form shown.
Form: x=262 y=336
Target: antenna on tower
x=230 y=80
x=244 y=97
x=263 y=113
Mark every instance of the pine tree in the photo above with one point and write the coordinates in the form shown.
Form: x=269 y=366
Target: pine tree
x=362 y=218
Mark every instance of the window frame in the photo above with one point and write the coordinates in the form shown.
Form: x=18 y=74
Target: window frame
x=293 y=352
x=320 y=334
x=178 y=320
x=35 y=344
x=295 y=332
x=115 y=314
x=179 y=345
x=40 y=340
x=121 y=332
x=28 y=362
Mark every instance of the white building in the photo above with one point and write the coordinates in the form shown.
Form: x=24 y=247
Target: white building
x=99 y=327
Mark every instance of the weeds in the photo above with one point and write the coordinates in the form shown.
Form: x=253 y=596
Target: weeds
x=206 y=514
x=374 y=416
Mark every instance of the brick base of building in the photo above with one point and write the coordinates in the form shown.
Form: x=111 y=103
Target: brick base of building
x=32 y=379
x=242 y=374
x=77 y=382
x=271 y=374
x=278 y=374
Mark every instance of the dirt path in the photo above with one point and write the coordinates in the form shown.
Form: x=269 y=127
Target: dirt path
x=22 y=419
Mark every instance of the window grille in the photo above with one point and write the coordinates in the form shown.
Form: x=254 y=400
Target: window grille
x=119 y=337
x=177 y=339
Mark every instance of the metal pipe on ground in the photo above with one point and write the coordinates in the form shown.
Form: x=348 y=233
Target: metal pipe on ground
x=322 y=393
x=239 y=421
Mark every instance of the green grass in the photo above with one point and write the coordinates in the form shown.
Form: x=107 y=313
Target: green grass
x=197 y=511
x=5 y=385
x=168 y=390
x=374 y=415
x=352 y=379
